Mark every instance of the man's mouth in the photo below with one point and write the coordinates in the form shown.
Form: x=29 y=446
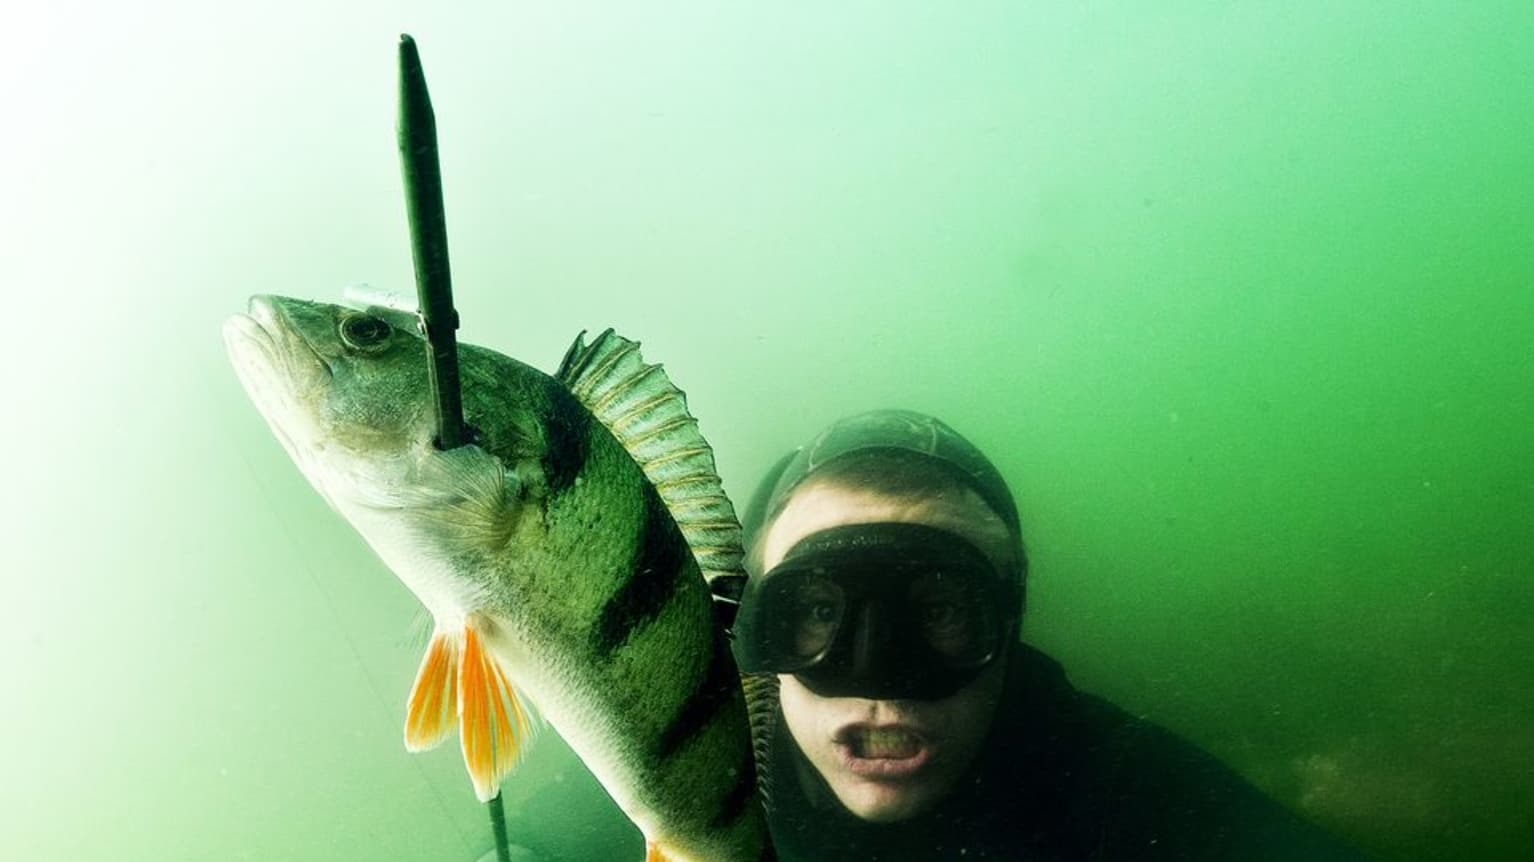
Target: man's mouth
x=887 y=752
x=893 y=742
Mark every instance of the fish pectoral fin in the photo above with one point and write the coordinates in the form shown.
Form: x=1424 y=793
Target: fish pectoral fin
x=434 y=698
x=462 y=495
x=493 y=724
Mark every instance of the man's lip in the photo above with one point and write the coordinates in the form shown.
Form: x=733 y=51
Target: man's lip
x=882 y=768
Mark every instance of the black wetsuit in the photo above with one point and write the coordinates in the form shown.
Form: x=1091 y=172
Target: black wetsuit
x=1065 y=776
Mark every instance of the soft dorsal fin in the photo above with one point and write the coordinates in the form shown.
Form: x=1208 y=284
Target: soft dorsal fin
x=647 y=413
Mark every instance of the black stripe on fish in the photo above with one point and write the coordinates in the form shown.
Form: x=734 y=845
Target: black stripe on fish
x=713 y=692
x=736 y=802
x=659 y=560
x=568 y=427
x=706 y=703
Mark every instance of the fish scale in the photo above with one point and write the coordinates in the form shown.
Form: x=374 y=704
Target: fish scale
x=566 y=569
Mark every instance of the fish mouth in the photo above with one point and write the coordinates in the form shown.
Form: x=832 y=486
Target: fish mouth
x=266 y=327
x=278 y=367
x=884 y=752
x=266 y=349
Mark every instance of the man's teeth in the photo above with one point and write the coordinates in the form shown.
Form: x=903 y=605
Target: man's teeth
x=892 y=743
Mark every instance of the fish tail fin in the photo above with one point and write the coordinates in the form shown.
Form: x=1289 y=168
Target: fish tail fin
x=494 y=726
x=433 y=700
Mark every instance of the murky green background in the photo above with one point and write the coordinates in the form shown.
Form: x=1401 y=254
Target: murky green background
x=1241 y=298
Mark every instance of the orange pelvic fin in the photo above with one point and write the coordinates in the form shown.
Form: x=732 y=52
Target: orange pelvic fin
x=493 y=724
x=433 y=701
x=653 y=853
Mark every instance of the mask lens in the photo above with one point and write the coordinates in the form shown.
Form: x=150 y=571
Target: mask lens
x=953 y=617
x=814 y=607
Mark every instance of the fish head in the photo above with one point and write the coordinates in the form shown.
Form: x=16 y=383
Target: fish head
x=346 y=392
x=349 y=396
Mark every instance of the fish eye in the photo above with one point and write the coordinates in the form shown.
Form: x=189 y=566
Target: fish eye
x=361 y=332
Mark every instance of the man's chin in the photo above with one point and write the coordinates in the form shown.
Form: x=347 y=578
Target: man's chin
x=882 y=802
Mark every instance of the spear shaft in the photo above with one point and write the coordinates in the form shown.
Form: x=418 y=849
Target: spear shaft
x=422 y=172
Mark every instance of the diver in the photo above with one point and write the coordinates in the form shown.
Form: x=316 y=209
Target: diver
x=886 y=591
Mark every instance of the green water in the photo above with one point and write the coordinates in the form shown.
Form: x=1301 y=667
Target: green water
x=1241 y=299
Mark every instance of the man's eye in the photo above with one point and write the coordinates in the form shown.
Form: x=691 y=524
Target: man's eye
x=817 y=612
x=942 y=615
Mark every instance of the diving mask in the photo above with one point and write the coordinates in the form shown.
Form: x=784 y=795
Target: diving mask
x=883 y=611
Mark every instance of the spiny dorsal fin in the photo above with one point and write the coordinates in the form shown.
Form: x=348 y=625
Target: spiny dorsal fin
x=647 y=413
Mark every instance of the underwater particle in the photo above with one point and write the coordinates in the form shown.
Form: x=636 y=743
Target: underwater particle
x=1347 y=785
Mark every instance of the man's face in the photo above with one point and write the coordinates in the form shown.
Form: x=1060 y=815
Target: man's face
x=888 y=760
